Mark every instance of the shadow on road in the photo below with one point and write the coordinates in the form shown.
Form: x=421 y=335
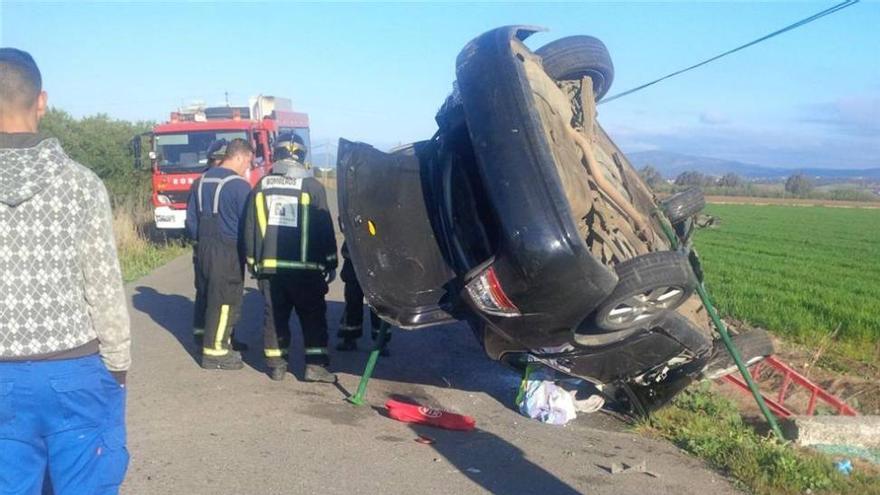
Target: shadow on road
x=493 y=463
x=173 y=312
x=444 y=356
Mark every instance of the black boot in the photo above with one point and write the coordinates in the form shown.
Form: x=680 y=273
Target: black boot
x=277 y=373
x=318 y=373
x=230 y=361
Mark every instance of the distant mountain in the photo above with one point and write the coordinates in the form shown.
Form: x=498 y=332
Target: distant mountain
x=670 y=164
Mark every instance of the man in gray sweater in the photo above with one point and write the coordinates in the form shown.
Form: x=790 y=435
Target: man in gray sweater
x=64 y=327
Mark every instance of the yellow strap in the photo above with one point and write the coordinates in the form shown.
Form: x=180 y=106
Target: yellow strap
x=221 y=328
x=213 y=352
x=261 y=213
x=275 y=263
x=274 y=352
x=304 y=233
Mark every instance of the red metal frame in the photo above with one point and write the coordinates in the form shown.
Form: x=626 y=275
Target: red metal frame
x=789 y=377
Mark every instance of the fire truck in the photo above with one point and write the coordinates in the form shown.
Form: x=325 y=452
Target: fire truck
x=178 y=148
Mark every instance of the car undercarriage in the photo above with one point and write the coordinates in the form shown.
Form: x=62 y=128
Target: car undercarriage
x=522 y=217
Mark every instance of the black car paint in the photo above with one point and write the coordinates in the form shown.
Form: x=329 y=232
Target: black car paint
x=409 y=268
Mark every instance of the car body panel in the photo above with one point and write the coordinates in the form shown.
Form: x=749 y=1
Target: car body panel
x=389 y=234
x=542 y=260
x=546 y=250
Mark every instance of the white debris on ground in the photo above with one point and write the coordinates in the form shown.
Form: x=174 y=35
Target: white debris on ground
x=546 y=398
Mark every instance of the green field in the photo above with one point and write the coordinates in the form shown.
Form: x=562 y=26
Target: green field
x=801 y=272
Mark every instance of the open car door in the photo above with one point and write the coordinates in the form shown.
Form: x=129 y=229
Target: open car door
x=383 y=207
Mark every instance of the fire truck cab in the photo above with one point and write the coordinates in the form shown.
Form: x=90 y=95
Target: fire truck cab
x=178 y=148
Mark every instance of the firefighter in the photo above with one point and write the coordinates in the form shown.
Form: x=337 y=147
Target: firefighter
x=213 y=217
x=290 y=246
x=215 y=154
x=351 y=328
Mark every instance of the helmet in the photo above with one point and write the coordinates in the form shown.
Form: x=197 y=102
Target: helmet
x=217 y=150
x=289 y=145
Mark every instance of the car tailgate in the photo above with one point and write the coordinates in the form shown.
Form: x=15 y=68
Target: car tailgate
x=391 y=241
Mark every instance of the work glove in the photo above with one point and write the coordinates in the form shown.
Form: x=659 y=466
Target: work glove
x=330 y=276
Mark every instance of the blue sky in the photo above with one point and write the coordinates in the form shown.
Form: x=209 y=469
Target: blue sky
x=378 y=72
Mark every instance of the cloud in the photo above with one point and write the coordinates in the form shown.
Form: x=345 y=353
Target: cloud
x=792 y=147
x=713 y=118
x=853 y=116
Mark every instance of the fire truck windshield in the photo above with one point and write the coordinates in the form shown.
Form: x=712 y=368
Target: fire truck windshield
x=189 y=150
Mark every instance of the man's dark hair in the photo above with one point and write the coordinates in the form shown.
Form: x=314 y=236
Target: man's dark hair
x=236 y=146
x=20 y=79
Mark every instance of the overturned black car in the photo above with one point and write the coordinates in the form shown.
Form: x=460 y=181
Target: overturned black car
x=522 y=217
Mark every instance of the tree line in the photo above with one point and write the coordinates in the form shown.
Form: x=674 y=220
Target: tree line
x=731 y=184
x=102 y=144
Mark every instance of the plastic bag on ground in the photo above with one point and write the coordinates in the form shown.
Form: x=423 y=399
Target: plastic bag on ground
x=544 y=398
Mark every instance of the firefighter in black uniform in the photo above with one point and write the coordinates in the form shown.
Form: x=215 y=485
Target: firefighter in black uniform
x=213 y=217
x=351 y=328
x=290 y=246
x=215 y=154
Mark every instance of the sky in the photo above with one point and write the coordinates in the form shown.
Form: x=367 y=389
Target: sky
x=378 y=72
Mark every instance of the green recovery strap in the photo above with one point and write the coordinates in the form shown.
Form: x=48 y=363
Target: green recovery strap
x=725 y=335
x=358 y=398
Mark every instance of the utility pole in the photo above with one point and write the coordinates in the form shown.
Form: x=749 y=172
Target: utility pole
x=226 y=94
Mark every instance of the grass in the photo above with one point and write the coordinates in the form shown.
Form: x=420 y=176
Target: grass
x=711 y=428
x=803 y=273
x=140 y=249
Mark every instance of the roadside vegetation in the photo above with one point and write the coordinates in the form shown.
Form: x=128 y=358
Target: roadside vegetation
x=807 y=274
x=795 y=186
x=712 y=428
x=140 y=248
x=102 y=144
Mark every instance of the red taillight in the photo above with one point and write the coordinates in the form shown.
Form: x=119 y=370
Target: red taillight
x=486 y=292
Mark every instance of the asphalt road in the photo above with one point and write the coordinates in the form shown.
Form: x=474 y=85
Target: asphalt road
x=193 y=431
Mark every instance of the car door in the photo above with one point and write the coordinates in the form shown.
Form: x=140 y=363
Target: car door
x=386 y=216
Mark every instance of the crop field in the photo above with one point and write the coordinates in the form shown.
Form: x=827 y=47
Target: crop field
x=805 y=273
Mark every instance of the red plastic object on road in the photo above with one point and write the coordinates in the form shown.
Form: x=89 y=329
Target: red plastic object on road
x=414 y=413
x=789 y=377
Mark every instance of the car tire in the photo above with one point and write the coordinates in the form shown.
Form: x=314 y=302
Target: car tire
x=574 y=57
x=753 y=347
x=647 y=285
x=681 y=206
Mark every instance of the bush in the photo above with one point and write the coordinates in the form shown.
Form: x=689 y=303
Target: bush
x=799 y=185
x=102 y=144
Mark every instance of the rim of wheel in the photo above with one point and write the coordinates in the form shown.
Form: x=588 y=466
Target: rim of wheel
x=644 y=305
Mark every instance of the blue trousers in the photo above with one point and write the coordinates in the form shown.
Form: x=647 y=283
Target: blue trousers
x=67 y=416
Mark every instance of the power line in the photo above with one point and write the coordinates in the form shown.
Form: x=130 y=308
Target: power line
x=819 y=15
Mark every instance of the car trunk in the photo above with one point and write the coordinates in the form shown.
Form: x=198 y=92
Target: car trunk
x=389 y=230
